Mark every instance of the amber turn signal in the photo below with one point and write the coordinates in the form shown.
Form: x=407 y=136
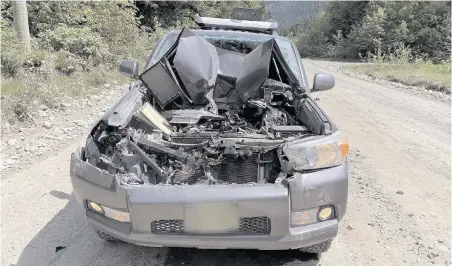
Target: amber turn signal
x=343 y=147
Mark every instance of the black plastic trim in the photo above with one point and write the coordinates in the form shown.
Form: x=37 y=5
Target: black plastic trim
x=119 y=226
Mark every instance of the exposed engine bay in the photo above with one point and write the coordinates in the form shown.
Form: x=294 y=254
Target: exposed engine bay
x=204 y=114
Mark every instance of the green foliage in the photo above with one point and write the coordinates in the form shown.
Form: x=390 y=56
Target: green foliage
x=36 y=58
x=368 y=35
x=223 y=9
x=74 y=46
x=372 y=28
x=343 y=15
x=309 y=40
x=119 y=28
x=47 y=15
x=98 y=32
x=325 y=35
x=156 y=13
x=67 y=63
x=20 y=109
x=400 y=55
x=11 y=55
x=341 y=47
x=81 y=42
x=11 y=86
x=38 y=62
x=435 y=77
x=6 y=10
x=78 y=35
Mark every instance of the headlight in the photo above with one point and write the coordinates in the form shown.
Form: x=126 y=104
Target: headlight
x=88 y=133
x=316 y=152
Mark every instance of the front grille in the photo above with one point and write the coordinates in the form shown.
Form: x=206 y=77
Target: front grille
x=256 y=225
x=247 y=225
x=168 y=226
x=238 y=171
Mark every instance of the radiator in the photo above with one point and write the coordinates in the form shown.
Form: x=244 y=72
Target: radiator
x=238 y=171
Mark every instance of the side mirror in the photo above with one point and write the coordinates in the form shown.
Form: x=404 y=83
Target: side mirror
x=323 y=82
x=129 y=68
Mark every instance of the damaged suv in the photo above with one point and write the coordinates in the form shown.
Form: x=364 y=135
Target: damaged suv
x=217 y=144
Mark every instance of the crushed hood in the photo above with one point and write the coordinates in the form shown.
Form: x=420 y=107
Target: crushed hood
x=199 y=67
x=196 y=62
x=204 y=114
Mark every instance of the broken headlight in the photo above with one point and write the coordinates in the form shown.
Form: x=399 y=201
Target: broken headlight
x=314 y=153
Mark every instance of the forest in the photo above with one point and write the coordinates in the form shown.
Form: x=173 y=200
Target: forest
x=358 y=29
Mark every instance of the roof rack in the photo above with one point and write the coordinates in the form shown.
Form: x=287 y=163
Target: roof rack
x=267 y=27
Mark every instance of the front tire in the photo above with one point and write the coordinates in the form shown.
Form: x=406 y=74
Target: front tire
x=317 y=248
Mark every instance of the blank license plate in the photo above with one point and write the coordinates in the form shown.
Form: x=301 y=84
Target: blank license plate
x=211 y=218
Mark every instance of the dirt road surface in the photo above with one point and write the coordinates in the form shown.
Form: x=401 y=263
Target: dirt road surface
x=399 y=204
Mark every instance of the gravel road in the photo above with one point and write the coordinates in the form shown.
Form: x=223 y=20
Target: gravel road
x=399 y=205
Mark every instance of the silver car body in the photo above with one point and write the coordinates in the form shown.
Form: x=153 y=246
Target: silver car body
x=147 y=204
x=264 y=210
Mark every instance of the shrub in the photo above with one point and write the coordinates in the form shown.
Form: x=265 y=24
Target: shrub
x=20 y=109
x=366 y=27
x=311 y=39
x=342 y=47
x=82 y=42
x=36 y=58
x=116 y=24
x=67 y=63
x=73 y=45
x=400 y=54
x=46 y=15
x=38 y=62
x=11 y=86
x=368 y=35
x=12 y=55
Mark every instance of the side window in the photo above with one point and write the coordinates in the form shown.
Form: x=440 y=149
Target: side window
x=303 y=73
x=156 y=47
x=160 y=49
x=164 y=46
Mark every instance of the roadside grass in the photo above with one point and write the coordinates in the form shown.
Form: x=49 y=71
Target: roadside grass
x=436 y=77
x=21 y=97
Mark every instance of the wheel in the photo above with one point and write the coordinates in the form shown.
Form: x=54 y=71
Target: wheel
x=317 y=248
x=106 y=236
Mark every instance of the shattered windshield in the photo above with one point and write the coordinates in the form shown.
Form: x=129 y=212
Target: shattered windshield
x=238 y=44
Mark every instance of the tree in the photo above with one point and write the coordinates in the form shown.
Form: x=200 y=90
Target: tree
x=155 y=13
x=368 y=36
x=343 y=15
x=20 y=18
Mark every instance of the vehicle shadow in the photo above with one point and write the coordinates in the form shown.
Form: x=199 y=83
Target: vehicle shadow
x=68 y=240
x=233 y=257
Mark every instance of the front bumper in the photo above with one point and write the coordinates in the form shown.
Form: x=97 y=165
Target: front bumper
x=148 y=203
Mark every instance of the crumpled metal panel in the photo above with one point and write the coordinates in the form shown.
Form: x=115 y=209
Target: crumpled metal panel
x=255 y=70
x=90 y=173
x=264 y=62
x=121 y=114
x=162 y=85
x=230 y=62
x=196 y=62
x=189 y=116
